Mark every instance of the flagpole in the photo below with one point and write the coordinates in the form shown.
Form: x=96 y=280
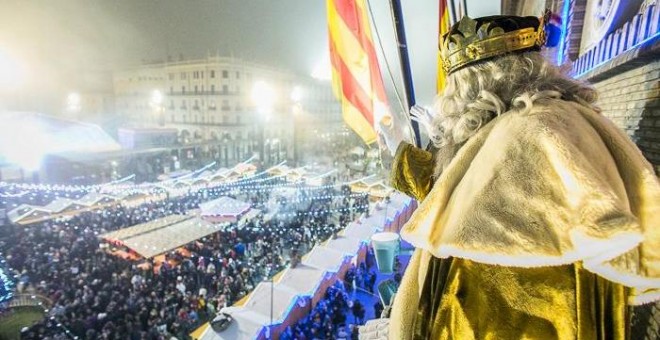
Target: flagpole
x=452 y=12
x=404 y=60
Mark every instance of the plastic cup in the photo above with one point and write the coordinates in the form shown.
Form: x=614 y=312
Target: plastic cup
x=386 y=246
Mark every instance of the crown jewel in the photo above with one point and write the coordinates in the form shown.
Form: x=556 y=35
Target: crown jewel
x=466 y=43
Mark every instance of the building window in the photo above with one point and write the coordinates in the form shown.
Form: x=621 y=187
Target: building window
x=238 y=75
x=196 y=89
x=212 y=105
x=225 y=105
x=183 y=90
x=238 y=89
x=185 y=118
x=212 y=118
x=225 y=89
x=225 y=119
x=212 y=73
x=183 y=75
x=212 y=89
x=196 y=106
x=184 y=105
x=201 y=74
x=225 y=74
x=202 y=88
x=171 y=89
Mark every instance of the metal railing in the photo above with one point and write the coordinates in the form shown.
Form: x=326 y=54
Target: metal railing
x=23 y=300
x=645 y=323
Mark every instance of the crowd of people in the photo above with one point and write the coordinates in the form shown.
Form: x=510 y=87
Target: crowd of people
x=343 y=308
x=329 y=318
x=96 y=295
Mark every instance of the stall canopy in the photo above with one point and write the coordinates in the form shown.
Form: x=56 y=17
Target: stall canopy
x=161 y=235
x=224 y=209
x=362 y=231
x=27 y=213
x=324 y=258
x=303 y=279
x=363 y=185
x=284 y=298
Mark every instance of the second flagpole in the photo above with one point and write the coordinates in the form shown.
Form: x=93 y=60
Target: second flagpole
x=404 y=60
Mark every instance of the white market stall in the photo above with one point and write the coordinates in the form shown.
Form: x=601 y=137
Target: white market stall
x=224 y=209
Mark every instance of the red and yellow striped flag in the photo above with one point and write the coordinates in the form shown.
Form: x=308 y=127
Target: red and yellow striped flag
x=356 y=77
x=443 y=28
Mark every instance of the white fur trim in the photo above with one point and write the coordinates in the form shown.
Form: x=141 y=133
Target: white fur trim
x=644 y=298
x=586 y=249
x=624 y=278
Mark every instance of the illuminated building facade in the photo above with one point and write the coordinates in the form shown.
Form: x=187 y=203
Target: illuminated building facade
x=614 y=45
x=211 y=101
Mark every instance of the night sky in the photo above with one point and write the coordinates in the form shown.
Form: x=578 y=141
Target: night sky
x=72 y=45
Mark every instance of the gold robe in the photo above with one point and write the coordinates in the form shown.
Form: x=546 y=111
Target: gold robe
x=511 y=235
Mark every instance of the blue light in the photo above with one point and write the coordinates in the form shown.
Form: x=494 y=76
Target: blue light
x=643 y=42
x=564 y=30
x=6 y=283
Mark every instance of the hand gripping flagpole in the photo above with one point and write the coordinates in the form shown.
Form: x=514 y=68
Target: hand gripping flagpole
x=404 y=60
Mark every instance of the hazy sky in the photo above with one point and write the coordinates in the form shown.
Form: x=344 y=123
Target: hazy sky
x=60 y=42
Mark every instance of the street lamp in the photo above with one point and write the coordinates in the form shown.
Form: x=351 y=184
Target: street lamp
x=263 y=97
x=297 y=94
x=323 y=69
x=73 y=102
x=297 y=97
x=13 y=74
x=156 y=103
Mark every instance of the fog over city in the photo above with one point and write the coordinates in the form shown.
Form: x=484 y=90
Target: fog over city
x=63 y=46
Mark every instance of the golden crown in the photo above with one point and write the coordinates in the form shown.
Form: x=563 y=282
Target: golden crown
x=465 y=44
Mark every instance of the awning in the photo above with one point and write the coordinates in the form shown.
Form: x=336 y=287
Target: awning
x=162 y=235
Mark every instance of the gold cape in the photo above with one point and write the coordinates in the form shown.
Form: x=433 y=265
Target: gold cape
x=557 y=188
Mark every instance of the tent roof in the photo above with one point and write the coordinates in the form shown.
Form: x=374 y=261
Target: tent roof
x=94 y=198
x=302 y=279
x=60 y=204
x=244 y=167
x=283 y=299
x=224 y=206
x=162 y=235
x=347 y=245
x=279 y=169
x=25 y=210
x=324 y=258
x=362 y=231
x=142 y=228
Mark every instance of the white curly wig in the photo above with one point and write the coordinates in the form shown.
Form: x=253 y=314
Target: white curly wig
x=478 y=93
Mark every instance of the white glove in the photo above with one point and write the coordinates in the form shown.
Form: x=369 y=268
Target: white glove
x=424 y=117
x=377 y=329
x=389 y=135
